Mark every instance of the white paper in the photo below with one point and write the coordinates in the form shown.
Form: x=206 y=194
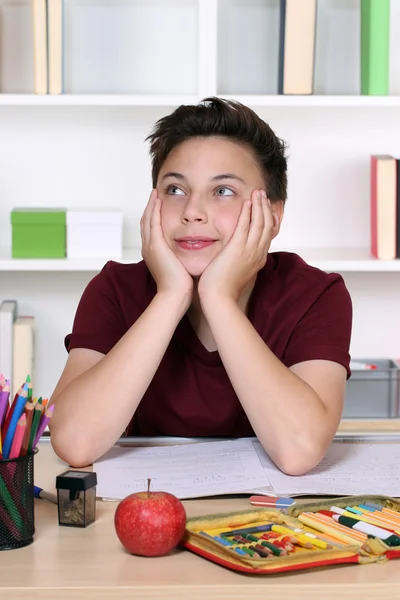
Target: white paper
x=347 y=469
x=196 y=470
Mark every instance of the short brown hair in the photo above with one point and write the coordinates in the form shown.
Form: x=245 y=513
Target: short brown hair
x=223 y=118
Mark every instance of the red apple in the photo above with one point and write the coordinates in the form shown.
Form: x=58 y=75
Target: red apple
x=150 y=523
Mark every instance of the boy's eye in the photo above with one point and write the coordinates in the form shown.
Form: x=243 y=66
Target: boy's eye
x=174 y=190
x=224 y=191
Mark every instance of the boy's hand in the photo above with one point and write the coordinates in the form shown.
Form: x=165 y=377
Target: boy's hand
x=245 y=253
x=167 y=270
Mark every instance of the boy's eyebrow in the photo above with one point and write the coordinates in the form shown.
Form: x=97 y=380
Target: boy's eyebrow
x=228 y=176
x=173 y=174
x=216 y=178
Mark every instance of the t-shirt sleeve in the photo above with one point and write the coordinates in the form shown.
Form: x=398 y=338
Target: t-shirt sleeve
x=99 y=322
x=324 y=332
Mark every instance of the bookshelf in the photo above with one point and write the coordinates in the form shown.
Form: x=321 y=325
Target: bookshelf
x=86 y=147
x=343 y=260
x=172 y=101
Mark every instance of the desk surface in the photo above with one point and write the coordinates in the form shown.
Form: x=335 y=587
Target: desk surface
x=90 y=563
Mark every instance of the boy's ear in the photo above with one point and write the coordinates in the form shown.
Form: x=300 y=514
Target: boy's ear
x=277 y=209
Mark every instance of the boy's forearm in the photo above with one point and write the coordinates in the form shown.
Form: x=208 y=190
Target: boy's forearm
x=286 y=414
x=95 y=408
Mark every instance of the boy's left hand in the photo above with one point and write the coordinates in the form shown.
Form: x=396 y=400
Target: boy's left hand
x=245 y=253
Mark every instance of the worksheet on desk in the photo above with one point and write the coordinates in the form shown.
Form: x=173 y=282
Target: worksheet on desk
x=191 y=471
x=348 y=468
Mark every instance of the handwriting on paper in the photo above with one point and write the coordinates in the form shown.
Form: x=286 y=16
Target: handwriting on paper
x=348 y=468
x=189 y=471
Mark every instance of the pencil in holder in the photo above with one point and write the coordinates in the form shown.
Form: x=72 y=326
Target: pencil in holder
x=17 y=519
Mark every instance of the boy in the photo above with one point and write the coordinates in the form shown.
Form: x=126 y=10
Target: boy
x=209 y=335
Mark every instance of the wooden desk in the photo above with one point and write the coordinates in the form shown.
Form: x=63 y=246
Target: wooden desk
x=82 y=564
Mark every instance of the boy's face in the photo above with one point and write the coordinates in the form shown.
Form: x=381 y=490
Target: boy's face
x=203 y=184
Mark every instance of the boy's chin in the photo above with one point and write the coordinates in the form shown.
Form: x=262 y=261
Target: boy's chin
x=195 y=267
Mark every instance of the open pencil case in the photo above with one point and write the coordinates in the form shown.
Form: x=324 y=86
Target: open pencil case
x=211 y=537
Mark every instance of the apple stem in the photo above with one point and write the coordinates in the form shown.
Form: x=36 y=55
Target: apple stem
x=148 y=487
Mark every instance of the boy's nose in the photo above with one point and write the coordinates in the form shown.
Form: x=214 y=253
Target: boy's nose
x=194 y=210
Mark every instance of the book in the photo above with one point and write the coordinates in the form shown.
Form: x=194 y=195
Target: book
x=39 y=17
x=375 y=35
x=23 y=352
x=297 y=46
x=55 y=43
x=242 y=466
x=8 y=314
x=383 y=206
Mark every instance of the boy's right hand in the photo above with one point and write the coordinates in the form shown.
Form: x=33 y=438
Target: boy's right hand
x=168 y=272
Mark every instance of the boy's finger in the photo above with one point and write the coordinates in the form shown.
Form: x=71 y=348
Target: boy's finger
x=269 y=221
x=155 y=220
x=242 y=227
x=146 y=218
x=257 y=224
x=149 y=206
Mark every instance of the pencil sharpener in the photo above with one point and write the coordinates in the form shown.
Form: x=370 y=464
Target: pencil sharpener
x=76 y=494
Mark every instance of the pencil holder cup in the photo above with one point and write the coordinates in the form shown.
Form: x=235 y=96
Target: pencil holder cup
x=17 y=520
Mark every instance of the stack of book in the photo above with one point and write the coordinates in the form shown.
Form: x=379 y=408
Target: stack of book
x=298 y=20
x=48 y=46
x=298 y=23
x=16 y=344
x=385 y=207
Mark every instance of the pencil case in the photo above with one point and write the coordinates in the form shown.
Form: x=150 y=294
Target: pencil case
x=210 y=537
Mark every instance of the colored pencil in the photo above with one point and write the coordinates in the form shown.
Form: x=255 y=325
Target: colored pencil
x=322 y=518
x=369 y=518
x=43 y=424
x=29 y=407
x=324 y=538
x=4 y=402
x=18 y=437
x=379 y=532
x=391 y=512
x=11 y=406
x=266 y=527
x=10 y=505
x=7 y=521
x=29 y=383
x=43 y=495
x=22 y=423
x=37 y=413
x=383 y=516
x=330 y=529
x=9 y=430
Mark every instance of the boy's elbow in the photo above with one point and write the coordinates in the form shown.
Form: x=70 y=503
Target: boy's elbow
x=295 y=468
x=300 y=461
x=76 y=455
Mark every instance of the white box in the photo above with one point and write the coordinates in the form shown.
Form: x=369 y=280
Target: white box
x=94 y=233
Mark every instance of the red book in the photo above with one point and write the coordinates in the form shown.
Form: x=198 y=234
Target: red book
x=383 y=206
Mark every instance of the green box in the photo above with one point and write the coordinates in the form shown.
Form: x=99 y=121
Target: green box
x=38 y=232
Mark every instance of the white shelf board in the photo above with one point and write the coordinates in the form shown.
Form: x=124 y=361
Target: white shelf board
x=130 y=255
x=346 y=260
x=175 y=100
x=96 y=100
x=317 y=101
x=329 y=259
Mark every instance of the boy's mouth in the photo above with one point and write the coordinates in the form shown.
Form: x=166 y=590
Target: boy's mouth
x=194 y=242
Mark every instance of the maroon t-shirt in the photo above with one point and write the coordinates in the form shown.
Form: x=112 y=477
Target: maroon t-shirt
x=301 y=313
